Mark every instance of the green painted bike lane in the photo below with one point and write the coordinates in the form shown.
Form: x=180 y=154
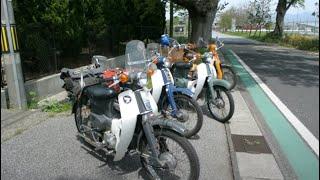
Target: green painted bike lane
x=304 y=162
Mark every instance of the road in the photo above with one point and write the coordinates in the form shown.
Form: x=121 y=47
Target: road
x=292 y=75
x=51 y=150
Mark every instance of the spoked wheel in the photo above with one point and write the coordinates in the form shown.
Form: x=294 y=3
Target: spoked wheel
x=192 y=116
x=178 y=156
x=79 y=118
x=220 y=107
x=230 y=76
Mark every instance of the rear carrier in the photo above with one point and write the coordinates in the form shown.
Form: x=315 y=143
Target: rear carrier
x=72 y=80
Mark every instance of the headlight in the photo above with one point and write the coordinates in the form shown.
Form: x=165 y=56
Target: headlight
x=142 y=79
x=167 y=64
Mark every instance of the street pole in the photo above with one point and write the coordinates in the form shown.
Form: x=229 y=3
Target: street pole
x=11 y=57
x=171 y=19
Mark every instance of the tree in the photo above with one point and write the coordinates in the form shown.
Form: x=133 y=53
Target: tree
x=225 y=19
x=316 y=12
x=202 y=14
x=282 y=8
x=260 y=13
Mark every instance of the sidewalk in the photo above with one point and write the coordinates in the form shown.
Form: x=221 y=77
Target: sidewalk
x=250 y=154
x=254 y=158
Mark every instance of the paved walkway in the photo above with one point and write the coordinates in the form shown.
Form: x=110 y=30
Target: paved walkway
x=305 y=165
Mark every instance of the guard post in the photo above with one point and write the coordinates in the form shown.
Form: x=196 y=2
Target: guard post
x=11 y=57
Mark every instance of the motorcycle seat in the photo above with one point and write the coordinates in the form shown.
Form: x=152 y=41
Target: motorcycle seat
x=182 y=65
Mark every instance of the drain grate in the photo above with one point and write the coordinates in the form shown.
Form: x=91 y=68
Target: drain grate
x=250 y=144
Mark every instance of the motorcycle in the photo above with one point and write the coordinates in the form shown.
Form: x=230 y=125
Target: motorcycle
x=135 y=129
x=224 y=71
x=205 y=81
x=174 y=102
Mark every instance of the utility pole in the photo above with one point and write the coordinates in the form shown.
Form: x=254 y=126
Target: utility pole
x=171 y=19
x=11 y=57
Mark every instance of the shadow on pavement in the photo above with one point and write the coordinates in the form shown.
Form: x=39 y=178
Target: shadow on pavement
x=291 y=68
x=125 y=166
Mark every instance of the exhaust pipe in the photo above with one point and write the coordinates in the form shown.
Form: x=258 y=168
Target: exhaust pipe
x=97 y=145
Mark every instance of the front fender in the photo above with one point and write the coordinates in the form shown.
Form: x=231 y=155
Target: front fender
x=184 y=91
x=170 y=125
x=219 y=82
x=164 y=124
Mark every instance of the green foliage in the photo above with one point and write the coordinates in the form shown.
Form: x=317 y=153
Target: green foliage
x=56 y=107
x=75 y=24
x=225 y=20
x=301 y=42
x=32 y=100
x=181 y=39
x=260 y=12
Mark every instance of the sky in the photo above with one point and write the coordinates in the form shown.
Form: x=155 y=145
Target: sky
x=309 y=5
x=294 y=14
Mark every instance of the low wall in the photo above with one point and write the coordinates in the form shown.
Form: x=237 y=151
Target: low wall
x=51 y=85
x=4 y=99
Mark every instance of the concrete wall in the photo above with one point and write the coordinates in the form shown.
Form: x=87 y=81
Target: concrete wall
x=45 y=87
x=3 y=99
x=51 y=85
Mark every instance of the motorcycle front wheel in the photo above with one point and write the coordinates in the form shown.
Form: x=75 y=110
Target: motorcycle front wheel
x=220 y=107
x=193 y=116
x=230 y=76
x=181 y=159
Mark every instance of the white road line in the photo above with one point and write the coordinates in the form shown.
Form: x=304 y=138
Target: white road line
x=311 y=140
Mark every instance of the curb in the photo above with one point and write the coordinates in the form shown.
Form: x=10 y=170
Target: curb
x=233 y=156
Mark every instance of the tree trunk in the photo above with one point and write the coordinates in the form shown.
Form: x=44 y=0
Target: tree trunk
x=281 y=12
x=201 y=25
x=171 y=19
x=202 y=14
x=189 y=28
x=260 y=31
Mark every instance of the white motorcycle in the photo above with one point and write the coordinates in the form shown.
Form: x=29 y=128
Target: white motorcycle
x=136 y=129
x=204 y=82
x=174 y=102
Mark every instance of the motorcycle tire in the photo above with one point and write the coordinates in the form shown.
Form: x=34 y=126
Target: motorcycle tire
x=163 y=136
x=230 y=76
x=196 y=108
x=210 y=102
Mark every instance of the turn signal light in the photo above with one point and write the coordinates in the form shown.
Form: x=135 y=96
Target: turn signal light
x=123 y=78
x=150 y=72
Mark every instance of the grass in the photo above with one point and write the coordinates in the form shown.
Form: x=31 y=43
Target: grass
x=54 y=106
x=302 y=42
x=32 y=100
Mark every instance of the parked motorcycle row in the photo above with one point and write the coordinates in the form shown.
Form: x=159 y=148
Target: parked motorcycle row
x=148 y=106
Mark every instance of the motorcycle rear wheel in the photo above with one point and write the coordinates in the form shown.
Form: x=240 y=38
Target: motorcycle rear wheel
x=168 y=142
x=230 y=76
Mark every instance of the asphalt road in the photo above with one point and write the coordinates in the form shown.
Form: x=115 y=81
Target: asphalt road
x=51 y=150
x=292 y=75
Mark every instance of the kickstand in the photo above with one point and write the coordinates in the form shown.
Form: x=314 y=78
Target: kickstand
x=152 y=173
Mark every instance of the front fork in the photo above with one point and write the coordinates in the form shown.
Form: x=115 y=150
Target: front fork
x=212 y=92
x=152 y=144
x=170 y=96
